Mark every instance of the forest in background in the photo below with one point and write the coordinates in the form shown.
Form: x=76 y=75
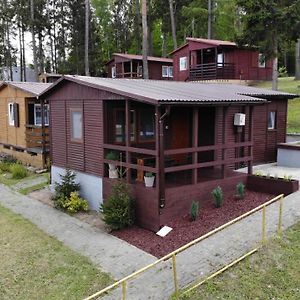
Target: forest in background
x=58 y=27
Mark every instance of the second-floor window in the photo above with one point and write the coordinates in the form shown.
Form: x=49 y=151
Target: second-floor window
x=38 y=114
x=167 y=71
x=183 y=63
x=261 y=61
x=11 y=115
x=272 y=120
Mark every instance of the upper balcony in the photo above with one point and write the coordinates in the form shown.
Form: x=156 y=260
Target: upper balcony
x=37 y=138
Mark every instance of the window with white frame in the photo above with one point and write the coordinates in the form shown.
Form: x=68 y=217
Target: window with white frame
x=167 y=71
x=11 y=114
x=182 y=63
x=38 y=115
x=113 y=72
x=220 y=58
x=76 y=125
x=139 y=71
x=261 y=61
x=272 y=120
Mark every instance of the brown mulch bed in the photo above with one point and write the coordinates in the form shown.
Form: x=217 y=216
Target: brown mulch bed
x=185 y=231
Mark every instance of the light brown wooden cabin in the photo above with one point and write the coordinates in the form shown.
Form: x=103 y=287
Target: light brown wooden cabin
x=24 y=121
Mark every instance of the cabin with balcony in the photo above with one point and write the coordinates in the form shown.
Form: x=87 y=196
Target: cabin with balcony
x=206 y=59
x=24 y=121
x=192 y=136
x=124 y=65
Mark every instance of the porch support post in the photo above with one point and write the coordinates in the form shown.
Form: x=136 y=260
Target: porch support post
x=201 y=52
x=157 y=154
x=224 y=141
x=127 y=135
x=123 y=69
x=195 y=142
x=250 y=163
x=161 y=165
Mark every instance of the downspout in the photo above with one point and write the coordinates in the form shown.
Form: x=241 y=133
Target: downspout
x=162 y=157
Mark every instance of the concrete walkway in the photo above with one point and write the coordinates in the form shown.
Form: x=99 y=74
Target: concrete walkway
x=119 y=259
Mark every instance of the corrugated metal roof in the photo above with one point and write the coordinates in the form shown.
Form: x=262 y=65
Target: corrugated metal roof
x=34 y=88
x=172 y=91
x=140 y=57
x=211 y=42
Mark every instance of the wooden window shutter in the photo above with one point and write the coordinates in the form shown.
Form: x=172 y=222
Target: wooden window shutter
x=16 y=115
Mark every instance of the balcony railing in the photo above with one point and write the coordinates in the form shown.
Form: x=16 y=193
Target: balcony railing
x=35 y=137
x=212 y=71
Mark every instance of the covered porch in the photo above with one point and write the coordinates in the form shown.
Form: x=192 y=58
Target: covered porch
x=188 y=148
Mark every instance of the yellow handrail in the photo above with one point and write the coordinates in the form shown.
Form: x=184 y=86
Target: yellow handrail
x=190 y=244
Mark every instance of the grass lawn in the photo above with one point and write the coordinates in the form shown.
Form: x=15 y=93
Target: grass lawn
x=288 y=84
x=34 y=265
x=271 y=273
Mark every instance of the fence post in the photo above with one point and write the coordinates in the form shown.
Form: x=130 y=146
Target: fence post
x=279 y=231
x=124 y=290
x=175 y=275
x=263 y=237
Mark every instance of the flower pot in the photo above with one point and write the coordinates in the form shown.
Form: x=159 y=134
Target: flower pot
x=149 y=181
x=113 y=173
x=112 y=167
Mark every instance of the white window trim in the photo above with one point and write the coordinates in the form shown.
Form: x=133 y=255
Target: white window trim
x=162 y=71
x=11 y=114
x=38 y=105
x=169 y=73
x=181 y=60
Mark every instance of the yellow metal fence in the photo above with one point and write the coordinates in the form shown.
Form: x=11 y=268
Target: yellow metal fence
x=172 y=255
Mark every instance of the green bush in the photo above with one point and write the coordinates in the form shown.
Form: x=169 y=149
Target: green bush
x=5 y=166
x=75 y=203
x=194 y=211
x=18 y=171
x=118 y=209
x=240 y=190
x=217 y=194
x=112 y=155
x=64 y=189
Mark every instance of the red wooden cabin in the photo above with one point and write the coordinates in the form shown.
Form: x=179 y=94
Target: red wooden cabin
x=183 y=132
x=205 y=59
x=124 y=65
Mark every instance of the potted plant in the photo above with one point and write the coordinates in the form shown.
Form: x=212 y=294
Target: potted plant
x=149 y=179
x=112 y=170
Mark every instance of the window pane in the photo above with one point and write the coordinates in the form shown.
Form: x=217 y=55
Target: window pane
x=76 y=125
x=11 y=118
x=46 y=114
x=120 y=126
x=146 y=125
x=271 y=120
x=164 y=71
x=38 y=115
x=261 y=61
x=182 y=63
x=170 y=71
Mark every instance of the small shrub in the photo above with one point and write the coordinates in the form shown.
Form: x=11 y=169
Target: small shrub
x=258 y=173
x=118 y=209
x=217 y=194
x=240 y=190
x=75 y=203
x=112 y=155
x=64 y=189
x=287 y=177
x=194 y=211
x=18 y=171
x=149 y=174
x=5 y=167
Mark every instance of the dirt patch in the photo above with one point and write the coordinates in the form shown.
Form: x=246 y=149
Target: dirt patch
x=185 y=231
x=93 y=218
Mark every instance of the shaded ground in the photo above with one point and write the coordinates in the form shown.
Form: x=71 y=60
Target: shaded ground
x=185 y=231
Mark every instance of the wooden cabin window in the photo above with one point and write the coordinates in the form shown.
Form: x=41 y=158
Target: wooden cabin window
x=139 y=71
x=11 y=115
x=146 y=126
x=272 y=120
x=120 y=120
x=38 y=115
x=76 y=125
x=182 y=63
x=167 y=71
x=261 y=61
x=113 y=72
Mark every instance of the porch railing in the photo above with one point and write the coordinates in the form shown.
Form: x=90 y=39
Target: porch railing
x=35 y=137
x=212 y=71
x=220 y=159
x=129 y=75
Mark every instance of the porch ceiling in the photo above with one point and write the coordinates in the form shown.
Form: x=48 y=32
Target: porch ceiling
x=166 y=92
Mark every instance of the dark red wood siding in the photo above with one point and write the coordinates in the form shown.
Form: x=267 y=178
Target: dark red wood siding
x=181 y=75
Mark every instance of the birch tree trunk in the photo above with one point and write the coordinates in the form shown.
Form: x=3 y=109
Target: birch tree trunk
x=86 y=46
x=33 y=41
x=145 y=39
x=275 y=63
x=297 y=56
x=173 y=24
